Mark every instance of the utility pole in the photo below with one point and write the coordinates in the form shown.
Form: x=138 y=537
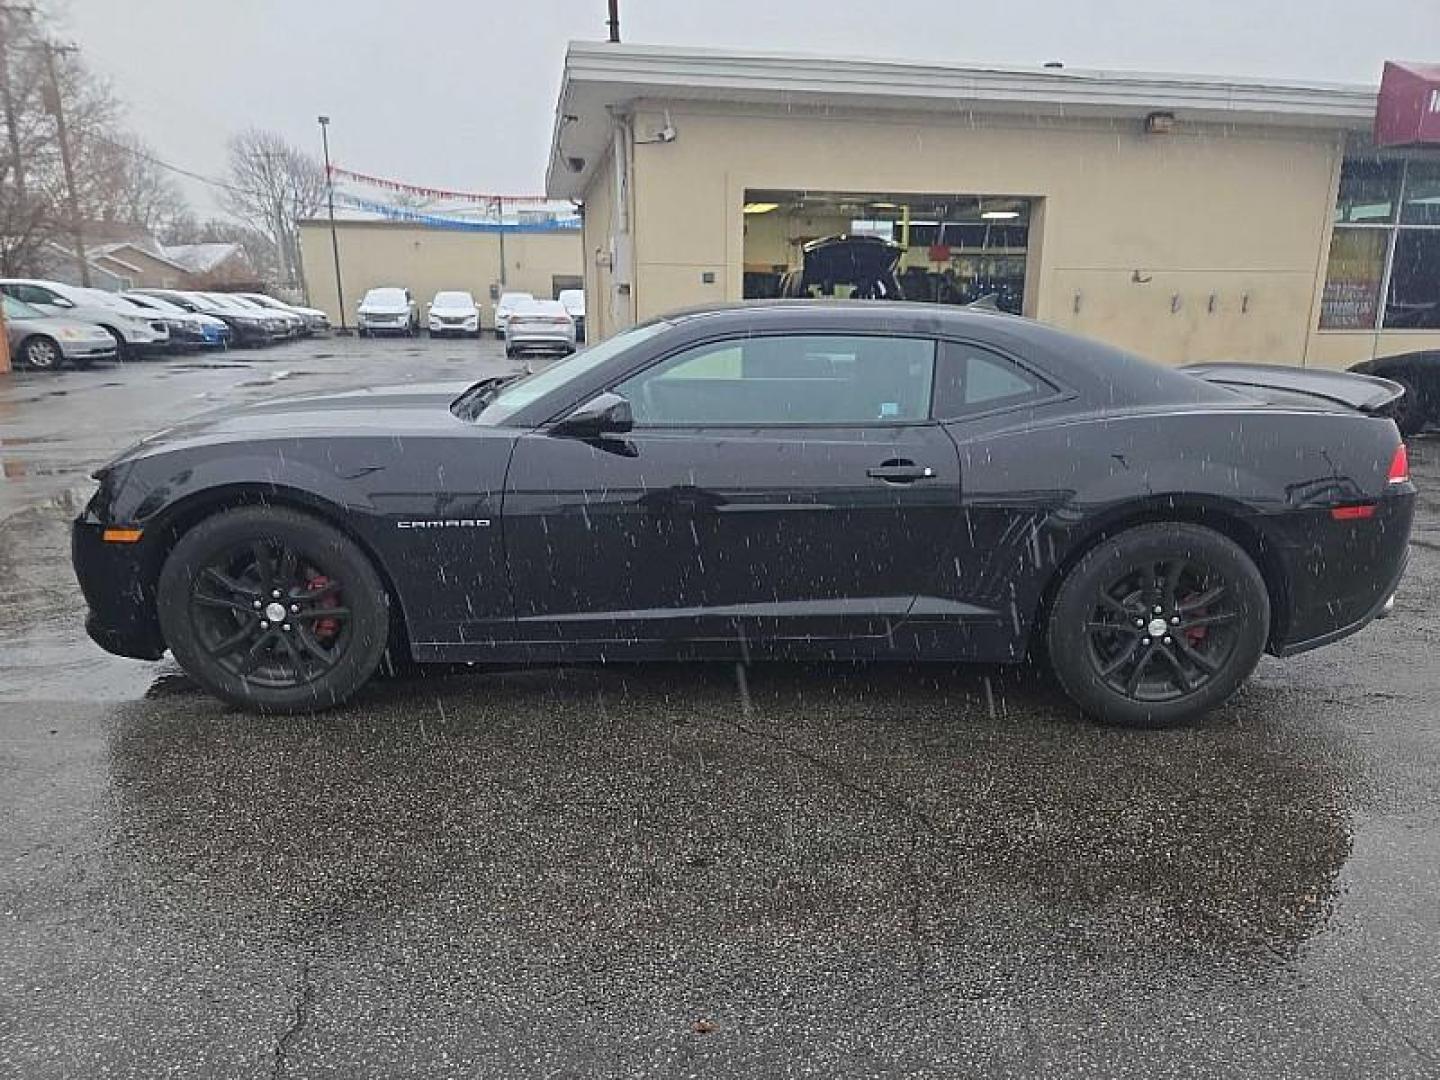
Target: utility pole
x=57 y=108
x=334 y=240
x=7 y=98
x=500 y=217
x=614 y=22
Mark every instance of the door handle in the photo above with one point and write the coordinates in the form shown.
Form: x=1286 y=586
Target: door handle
x=901 y=472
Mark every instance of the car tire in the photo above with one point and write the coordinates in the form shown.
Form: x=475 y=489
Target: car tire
x=336 y=628
x=1197 y=590
x=1412 y=412
x=42 y=353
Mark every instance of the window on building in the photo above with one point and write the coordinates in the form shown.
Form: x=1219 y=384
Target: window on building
x=1384 y=265
x=787 y=379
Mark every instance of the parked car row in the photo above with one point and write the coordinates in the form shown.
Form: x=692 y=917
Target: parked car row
x=392 y=309
x=50 y=324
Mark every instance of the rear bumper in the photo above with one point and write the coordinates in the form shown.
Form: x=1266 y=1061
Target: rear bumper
x=1340 y=575
x=118 y=588
x=539 y=341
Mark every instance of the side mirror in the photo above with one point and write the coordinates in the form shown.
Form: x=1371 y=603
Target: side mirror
x=604 y=414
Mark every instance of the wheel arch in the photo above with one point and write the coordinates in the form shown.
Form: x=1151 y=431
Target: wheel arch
x=178 y=519
x=1228 y=519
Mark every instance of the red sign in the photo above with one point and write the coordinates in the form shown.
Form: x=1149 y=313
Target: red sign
x=939 y=253
x=1409 y=110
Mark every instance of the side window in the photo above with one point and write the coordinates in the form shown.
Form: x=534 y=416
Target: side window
x=28 y=294
x=787 y=379
x=972 y=379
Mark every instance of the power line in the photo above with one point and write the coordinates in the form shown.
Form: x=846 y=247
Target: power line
x=201 y=177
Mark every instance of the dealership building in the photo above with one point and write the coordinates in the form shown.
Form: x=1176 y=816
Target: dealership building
x=1185 y=217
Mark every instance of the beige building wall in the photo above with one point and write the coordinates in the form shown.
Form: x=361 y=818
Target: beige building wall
x=1207 y=243
x=428 y=260
x=607 y=308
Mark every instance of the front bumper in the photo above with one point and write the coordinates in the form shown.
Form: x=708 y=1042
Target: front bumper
x=117 y=581
x=384 y=325
x=88 y=351
x=444 y=326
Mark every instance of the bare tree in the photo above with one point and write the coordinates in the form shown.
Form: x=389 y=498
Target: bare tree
x=273 y=185
x=119 y=184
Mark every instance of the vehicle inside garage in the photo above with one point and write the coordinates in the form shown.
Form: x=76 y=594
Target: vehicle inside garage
x=941 y=248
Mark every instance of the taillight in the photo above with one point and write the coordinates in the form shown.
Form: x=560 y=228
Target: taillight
x=1399 y=466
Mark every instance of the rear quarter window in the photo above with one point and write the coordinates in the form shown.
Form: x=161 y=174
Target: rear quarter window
x=973 y=379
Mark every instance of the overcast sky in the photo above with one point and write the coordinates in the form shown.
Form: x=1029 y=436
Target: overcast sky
x=462 y=96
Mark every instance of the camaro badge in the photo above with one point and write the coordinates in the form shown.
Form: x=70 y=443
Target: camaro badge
x=446 y=523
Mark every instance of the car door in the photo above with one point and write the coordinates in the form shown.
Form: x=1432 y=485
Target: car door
x=787 y=486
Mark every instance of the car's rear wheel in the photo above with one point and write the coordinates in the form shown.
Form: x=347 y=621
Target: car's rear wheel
x=273 y=610
x=42 y=354
x=1158 y=624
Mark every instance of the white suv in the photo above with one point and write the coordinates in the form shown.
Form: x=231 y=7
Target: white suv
x=388 y=310
x=453 y=313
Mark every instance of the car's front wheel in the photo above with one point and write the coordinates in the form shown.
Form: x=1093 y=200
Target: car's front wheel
x=42 y=354
x=273 y=610
x=1158 y=624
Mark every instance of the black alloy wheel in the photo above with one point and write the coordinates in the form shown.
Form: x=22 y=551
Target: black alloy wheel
x=273 y=610
x=1158 y=624
x=42 y=354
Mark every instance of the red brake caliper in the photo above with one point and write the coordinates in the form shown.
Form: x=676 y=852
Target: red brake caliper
x=325 y=629
x=1195 y=634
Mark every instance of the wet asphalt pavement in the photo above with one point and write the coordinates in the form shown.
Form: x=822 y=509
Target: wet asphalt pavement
x=687 y=871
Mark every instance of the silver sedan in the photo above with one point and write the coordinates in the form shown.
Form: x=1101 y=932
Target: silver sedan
x=45 y=342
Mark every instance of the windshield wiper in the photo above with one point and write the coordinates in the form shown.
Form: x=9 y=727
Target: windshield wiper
x=468 y=405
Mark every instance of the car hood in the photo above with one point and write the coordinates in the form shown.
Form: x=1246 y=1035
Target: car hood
x=384 y=309
x=387 y=412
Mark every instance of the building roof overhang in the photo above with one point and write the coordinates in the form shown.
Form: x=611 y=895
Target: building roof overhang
x=601 y=79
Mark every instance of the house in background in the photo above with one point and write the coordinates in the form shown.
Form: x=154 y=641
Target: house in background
x=214 y=265
x=142 y=265
x=56 y=262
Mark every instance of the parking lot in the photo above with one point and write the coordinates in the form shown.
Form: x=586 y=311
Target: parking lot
x=691 y=870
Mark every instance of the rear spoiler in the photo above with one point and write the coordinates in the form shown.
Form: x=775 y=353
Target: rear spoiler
x=1367 y=393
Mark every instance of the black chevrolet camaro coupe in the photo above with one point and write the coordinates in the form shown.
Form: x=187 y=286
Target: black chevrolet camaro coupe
x=807 y=480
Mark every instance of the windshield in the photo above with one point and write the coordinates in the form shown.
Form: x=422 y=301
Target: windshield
x=14 y=309
x=454 y=299
x=514 y=299
x=512 y=397
x=385 y=297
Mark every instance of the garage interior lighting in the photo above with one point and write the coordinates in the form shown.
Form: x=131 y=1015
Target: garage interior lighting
x=1000 y=215
x=760 y=207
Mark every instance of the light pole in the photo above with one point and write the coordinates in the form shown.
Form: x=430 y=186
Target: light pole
x=334 y=240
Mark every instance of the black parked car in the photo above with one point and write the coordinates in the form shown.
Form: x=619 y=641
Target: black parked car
x=792 y=479
x=246 y=327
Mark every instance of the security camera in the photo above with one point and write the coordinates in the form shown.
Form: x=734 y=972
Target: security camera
x=666 y=134
x=575 y=164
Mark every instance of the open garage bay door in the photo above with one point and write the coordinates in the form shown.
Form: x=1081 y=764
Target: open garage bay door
x=948 y=249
